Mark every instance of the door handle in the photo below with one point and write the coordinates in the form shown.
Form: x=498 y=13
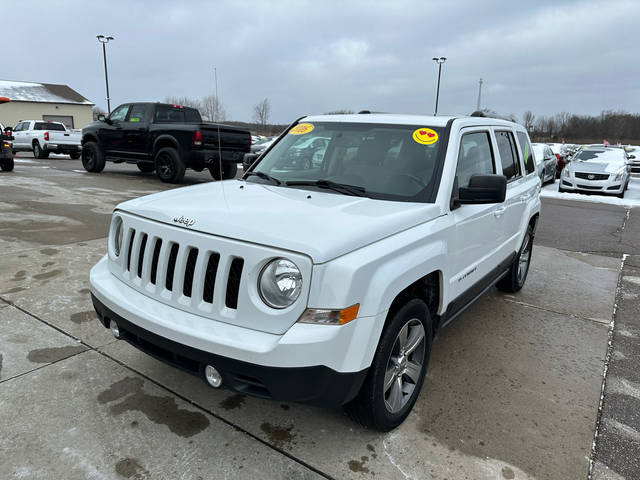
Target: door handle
x=499 y=211
x=525 y=197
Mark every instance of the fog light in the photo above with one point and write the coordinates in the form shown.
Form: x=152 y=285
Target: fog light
x=114 y=329
x=212 y=376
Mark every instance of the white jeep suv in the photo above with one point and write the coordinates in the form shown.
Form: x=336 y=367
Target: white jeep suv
x=324 y=280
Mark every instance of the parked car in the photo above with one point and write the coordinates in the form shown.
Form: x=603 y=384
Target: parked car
x=559 y=151
x=604 y=170
x=44 y=137
x=165 y=138
x=633 y=153
x=546 y=161
x=326 y=283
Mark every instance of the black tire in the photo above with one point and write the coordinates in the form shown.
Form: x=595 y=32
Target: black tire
x=38 y=152
x=229 y=171
x=370 y=408
x=92 y=157
x=6 y=165
x=74 y=156
x=560 y=189
x=145 y=167
x=514 y=280
x=168 y=165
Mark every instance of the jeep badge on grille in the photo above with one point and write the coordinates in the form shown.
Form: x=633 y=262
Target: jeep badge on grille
x=184 y=220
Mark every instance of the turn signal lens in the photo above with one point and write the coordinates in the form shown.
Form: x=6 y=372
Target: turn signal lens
x=330 y=317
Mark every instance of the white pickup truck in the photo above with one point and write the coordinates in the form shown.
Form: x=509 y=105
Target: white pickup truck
x=43 y=137
x=326 y=282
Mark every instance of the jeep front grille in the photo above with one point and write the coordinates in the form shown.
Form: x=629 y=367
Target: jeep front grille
x=178 y=264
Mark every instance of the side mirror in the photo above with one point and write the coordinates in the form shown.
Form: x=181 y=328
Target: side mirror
x=484 y=189
x=101 y=117
x=249 y=159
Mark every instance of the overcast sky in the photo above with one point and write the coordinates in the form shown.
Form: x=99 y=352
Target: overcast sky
x=317 y=56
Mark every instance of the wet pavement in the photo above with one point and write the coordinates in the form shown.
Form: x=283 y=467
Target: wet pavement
x=512 y=392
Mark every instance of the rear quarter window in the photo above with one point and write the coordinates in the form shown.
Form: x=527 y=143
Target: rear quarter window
x=527 y=154
x=508 y=154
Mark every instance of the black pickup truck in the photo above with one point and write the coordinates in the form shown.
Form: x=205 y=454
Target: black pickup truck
x=165 y=138
x=6 y=153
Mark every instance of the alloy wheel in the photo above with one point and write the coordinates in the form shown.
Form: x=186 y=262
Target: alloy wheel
x=404 y=366
x=524 y=259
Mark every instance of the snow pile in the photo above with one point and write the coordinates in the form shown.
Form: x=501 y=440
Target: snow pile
x=631 y=196
x=37 y=92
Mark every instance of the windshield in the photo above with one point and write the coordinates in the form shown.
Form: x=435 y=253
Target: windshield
x=393 y=162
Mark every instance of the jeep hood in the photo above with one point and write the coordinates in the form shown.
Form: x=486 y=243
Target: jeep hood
x=319 y=224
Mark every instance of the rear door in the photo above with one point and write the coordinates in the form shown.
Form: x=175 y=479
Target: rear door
x=475 y=247
x=522 y=183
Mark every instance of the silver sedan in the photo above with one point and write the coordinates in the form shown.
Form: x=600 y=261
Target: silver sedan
x=601 y=170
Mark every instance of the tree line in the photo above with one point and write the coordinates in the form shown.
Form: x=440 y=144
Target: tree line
x=614 y=126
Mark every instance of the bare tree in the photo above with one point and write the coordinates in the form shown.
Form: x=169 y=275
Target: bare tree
x=211 y=108
x=528 y=118
x=97 y=111
x=261 y=112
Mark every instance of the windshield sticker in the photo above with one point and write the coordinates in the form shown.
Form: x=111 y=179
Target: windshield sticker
x=301 y=129
x=425 y=136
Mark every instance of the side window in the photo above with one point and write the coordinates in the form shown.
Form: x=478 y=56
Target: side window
x=508 y=156
x=18 y=127
x=39 y=126
x=138 y=113
x=119 y=113
x=475 y=157
x=525 y=148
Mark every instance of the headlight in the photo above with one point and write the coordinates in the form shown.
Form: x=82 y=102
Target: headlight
x=116 y=236
x=619 y=176
x=280 y=283
x=565 y=172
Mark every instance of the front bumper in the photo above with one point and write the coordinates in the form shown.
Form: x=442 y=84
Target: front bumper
x=317 y=364
x=610 y=185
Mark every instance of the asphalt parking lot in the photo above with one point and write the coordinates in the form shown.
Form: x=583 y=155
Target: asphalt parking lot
x=513 y=390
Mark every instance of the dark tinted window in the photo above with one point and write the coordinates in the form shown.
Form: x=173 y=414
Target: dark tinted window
x=525 y=147
x=49 y=126
x=475 y=157
x=176 y=114
x=508 y=156
x=138 y=113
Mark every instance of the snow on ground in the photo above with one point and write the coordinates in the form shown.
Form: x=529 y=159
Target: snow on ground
x=631 y=196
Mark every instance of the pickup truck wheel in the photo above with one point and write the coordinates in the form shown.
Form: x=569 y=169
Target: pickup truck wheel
x=229 y=170
x=145 y=167
x=6 y=165
x=74 y=156
x=38 y=152
x=397 y=372
x=92 y=157
x=169 y=166
x=514 y=280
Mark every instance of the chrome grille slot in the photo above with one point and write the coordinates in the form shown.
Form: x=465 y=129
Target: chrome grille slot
x=171 y=266
x=132 y=234
x=143 y=245
x=210 y=277
x=189 y=270
x=233 y=283
x=154 y=260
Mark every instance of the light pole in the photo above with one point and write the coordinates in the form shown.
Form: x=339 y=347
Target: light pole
x=104 y=40
x=439 y=61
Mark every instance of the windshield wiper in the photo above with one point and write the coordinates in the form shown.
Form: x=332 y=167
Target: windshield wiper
x=328 y=184
x=265 y=176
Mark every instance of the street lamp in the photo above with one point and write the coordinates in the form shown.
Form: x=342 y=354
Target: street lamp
x=104 y=40
x=439 y=61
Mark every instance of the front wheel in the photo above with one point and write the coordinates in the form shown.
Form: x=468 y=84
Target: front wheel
x=397 y=371
x=514 y=280
x=6 y=165
x=169 y=166
x=92 y=157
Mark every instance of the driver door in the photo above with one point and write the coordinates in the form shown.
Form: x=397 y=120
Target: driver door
x=112 y=136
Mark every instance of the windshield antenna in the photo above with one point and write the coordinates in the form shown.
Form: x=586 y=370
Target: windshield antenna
x=215 y=113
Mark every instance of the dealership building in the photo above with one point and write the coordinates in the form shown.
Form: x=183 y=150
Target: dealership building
x=44 y=101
